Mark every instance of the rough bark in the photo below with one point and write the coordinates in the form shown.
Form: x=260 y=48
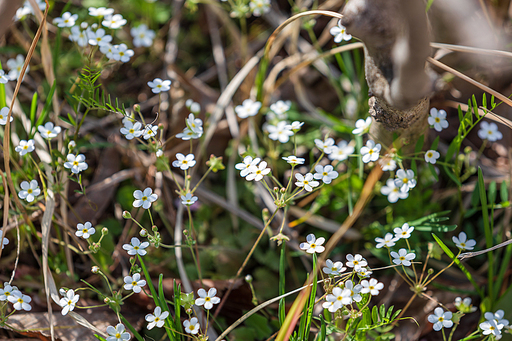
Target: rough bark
x=395 y=34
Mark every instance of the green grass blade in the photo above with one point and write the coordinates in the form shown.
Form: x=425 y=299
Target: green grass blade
x=148 y=280
x=487 y=230
x=163 y=305
x=312 y=298
x=127 y=324
x=33 y=111
x=282 y=263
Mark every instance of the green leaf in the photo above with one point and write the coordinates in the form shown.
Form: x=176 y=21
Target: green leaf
x=33 y=110
x=475 y=197
x=163 y=305
x=433 y=171
x=491 y=195
x=282 y=277
x=323 y=330
x=71 y=120
x=504 y=191
x=431 y=223
x=97 y=336
x=435 y=143
x=429 y=4
x=48 y=104
x=375 y=315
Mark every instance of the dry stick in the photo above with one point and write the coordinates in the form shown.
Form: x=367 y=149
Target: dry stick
x=466 y=255
x=469 y=49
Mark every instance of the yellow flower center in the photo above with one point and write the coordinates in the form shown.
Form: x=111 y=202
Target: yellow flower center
x=184 y=162
x=437 y=119
x=70 y=302
x=306 y=182
x=144 y=198
x=135 y=247
x=313 y=246
x=157 y=319
x=25 y=147
x=405 y=180
x=370 y=152
x=29 y=191
x=402 y=258
x=75 y=163
x=20 y=300
x=132 y=131
x=118 y=335
x=430 y=154
x=134 y=283
x=207 y=299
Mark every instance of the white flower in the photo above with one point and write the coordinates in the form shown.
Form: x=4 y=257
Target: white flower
x=158 y=85
x=325 y=146
x=67 y=20
x=340 y=33
x=85 y=230
x=4 y=113
x=3 y=77
x=48 y=131
x=192 y=326
x=79 y=36
x=431 y=156
x=100 y=11
x=134 y=283
x=313 y=245
x=3 y=241
x=441 y=319
x=99 y=38
x=498 y=317
x=491 y=327
x=7 y=291
x=351 y=292
x=387 y=241
x=194 y=124
x=247 y=166
x=438 y=119
x=357 y=261
x=334 y=269
x=293 y=160
x=122 y=53
x=25 y=147
x=393 y=192
x=184 y=162
x=362 y=126
x=131 y=129
x=342 y=151
x=372 y=286
x=159 y=153
x=326 y=174
x=248 y=108
x=363 y=272
x=370 y=152
x=333 y=300
x=136 y=247
x=194 y=107
x=258 y=172
x=405 y=180
x=489 y=131
x=157 y=318
x=150 y=131
x=68 y=301
x=15 y=66
x=280 y=107
x=295 y=126
x=108 y=50
x=404 y=231
x=207 y=299
x=402 y=257
x=22 y=12
x=19 y=300
x=464 y=305
x=279 y=132
x=388 y=164
x=145 y=198
x=76 y=163
x=114 y=21
x=259 y=7
x=117 y=333
x=142 y=36
x=306 y=181
x=188 y=199
x=29 y=191
x=463 y=243
x=188 y=134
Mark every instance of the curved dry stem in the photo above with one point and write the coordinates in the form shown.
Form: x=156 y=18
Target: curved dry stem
x=469 y=49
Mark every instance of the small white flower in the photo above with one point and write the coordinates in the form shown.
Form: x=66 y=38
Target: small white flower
x=279 y=132
x=100 y=11
x=356 y=261
x=79 y=36
x=85 y=230
x=48 y=131
x=131 y=129
x=15 y=66
x=191 y=326
x=158 y=85
x=188 y=134
x=194 y=107
x=76 y=163
x=325 y=146
x=3 y=242
x=280 y=107
x=402 y=257
x=4 y=113
x=393 y=192
x=351 y=292
x=498 y=317
x=25 y=147
x=295 y=126
x=371 y=151
x=19 y=300
x=188 y=199
x=438 y=119
x=312 y=244
x=306 y=181
x=441 y=319
x=157 y=318
x=68 y=301
x=108 y=50
x=194 y=124
x=463 y=243
x=363 y=272
x=142 y=36
x=29 y=191
x=149 y=131
x=136 y=247
x=326 y=174
x=259 y=7
x=22 y=12
x=334 y=269
x=145 y=198
x=372 y=286
x=491 y=327
x=388 y=164
x=247 y=166
x=207 y=299
x=159 y=153
x=99 y=38
x=431 y=156
x=7 y=291
x=464 y=305
x=405 y=180
x=362 y=126
x=333 y=300
x=114 y=21
x=3 y=77
x=134 y=283
x=117 y=333
x=340 y=33
x=258 y=172
x=248 y=108
x=184 y=162
x=489 y=131
x=67 y=20
x=387 y=241
x=293 y=160
x=342 y=151
x=404 y=231
x=122 y=53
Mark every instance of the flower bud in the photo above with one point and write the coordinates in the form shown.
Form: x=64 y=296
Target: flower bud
x=154 y=228
x=143 y=233
x=127 y=215
x=248 y=278
x=430 y=271
x=159 y=153
x=104 y=231
x=136 y=107
x=95 y=269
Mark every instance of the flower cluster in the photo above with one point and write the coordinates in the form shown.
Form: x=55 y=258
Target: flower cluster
x=402 y=257
x=494 y=323
x=16 y=297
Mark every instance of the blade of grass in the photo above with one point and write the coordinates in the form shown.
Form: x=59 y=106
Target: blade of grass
x=487 y=231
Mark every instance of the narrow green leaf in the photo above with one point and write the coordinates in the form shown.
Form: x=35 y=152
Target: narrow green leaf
x=475 y=197
x=71 y=120
x=48 y=104
x=33 y=110
x=504 y=191
x=390 y=311
x=435 y=143
x=382 y=312
x=395 y=314
x=130 y=327
x=282 y=277
x=323 y=330
x=375 y=315
x=148 y=279
x=163 y=305
x=99 y=337
x=419 y=144
x=491 y=195
x=484 y=100
x=433 y=171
